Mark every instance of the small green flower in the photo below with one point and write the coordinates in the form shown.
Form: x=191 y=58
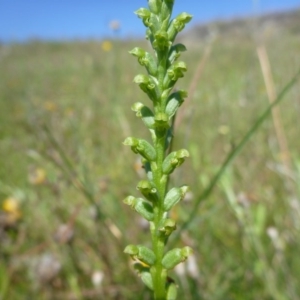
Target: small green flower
x=176 y=256
x=178 y=24
x=142 y=147
x=144 y=208
x=174 y=160
x=145 y=59
x=141 y=253
x=174 y=196
x=174 y=102
x=144 y=14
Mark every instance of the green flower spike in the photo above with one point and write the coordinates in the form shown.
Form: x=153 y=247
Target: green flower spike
x=163 y=71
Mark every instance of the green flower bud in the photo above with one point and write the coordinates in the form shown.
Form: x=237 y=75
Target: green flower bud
x=174 y=196
x=174 y=102
x=175 y=52
x=174 y=160
x=164 y=25
x=149 y=35
x=145 y=59
x=166 y=11
x=171 y=291
x=154 y=23
x=141 y=206
x=161 y=121
x=155 y=5
x=148 y=85
x=147 y=279
x=168 y=227
x=137 y=108
x=145 y=274
x=176 y=256
x=175 y=72
x=178 y=24
x=161 y=41
x=147 y=189
x=145 y=113
x=141 y=253
x=142 y=147
x=131 y=201
x=165 y=95
x=144 y=14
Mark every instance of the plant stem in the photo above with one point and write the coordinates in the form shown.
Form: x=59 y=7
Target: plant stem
x=158 y=276
x=159 y=280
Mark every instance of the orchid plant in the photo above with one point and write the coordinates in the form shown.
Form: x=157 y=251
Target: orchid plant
x=163 y=70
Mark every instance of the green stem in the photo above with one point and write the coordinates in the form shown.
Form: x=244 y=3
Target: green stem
x=158 y=276
x=158 y=242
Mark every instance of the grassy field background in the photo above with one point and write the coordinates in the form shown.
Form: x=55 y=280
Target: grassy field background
x=64 y=112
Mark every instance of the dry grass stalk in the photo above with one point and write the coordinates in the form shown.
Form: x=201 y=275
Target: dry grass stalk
x=280 y=134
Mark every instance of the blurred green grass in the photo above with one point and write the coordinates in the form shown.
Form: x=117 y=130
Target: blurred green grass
x=74 y=98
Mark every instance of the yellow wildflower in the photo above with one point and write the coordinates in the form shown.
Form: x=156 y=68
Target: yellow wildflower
x=106 y=46
x=50 y=106
x=37 y=176
x=12 y=209
x=10 y=205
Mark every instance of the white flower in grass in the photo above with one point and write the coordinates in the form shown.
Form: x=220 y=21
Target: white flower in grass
x=47 y=268
x=272 y=233
x=97 y=278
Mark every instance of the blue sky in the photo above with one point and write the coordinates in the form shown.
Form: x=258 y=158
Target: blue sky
x=77 y=19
